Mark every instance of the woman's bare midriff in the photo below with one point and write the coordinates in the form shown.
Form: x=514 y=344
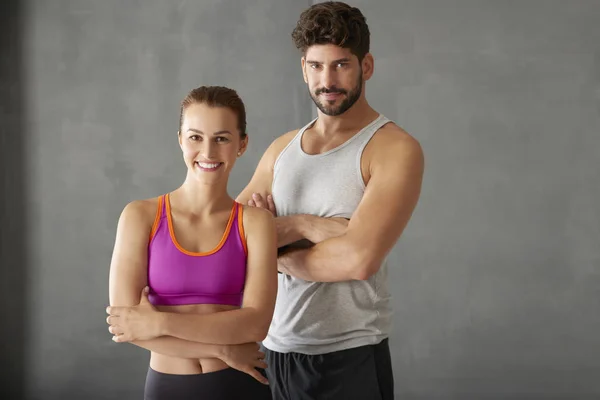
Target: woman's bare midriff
x=188 y=366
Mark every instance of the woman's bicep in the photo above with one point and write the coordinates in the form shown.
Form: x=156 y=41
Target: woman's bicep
x=261 y=277
x=128 y=267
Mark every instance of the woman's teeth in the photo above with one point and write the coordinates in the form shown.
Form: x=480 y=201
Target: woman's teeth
x=208 y=165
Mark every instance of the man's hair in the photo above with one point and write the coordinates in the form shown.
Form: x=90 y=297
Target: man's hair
x=217 y=96
x=333 y=22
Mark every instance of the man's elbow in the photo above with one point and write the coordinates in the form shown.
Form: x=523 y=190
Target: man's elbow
x=365 y=266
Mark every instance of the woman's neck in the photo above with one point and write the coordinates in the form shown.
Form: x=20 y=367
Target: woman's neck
x=202 y=199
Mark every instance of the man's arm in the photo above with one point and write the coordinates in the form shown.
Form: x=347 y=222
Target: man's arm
x=390 y=197
x=262 y=179
x=251 y=322
x=258 y=192
x=293 y=228
x=128 y=277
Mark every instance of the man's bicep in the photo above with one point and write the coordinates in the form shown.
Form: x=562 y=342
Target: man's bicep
x=128 y=274
x=262 y=178
x=389 y=199
x=263 y=175
x=260 y=183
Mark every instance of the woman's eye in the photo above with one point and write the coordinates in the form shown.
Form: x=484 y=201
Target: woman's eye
x=195 y=137
x=221 y=139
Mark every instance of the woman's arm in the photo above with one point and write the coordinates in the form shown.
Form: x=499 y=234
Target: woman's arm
x=251 y=322
x=128 y=276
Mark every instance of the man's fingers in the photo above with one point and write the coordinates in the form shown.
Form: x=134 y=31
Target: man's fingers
x=258 y=200
x=261 y=364
x=257 y=375
x=112 y=319
x=251 y=203
x=342 y=221
x=271 y=204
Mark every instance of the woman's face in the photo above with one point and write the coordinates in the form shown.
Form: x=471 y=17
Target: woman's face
x=210 y=142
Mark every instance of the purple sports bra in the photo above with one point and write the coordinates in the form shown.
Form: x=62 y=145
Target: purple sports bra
x=177 y=276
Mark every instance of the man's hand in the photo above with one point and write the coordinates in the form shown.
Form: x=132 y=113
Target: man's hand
x=267 y=203
x=293 y=228
x=134 y=323
x=287 y=227
x=246 y=358
x=321 y=229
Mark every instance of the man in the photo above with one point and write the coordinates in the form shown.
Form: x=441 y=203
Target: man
x=348 y=183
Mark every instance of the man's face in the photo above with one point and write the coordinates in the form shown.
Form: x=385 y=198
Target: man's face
x=334 y=77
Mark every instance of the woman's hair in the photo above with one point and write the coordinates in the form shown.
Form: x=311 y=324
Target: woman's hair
x=217 y=96
x=333 y=22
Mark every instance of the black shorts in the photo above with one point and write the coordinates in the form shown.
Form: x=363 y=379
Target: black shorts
x=226 y=384
x=361 y=373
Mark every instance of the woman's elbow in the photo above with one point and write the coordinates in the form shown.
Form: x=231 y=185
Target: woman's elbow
x=257 y=329
x=258 y=332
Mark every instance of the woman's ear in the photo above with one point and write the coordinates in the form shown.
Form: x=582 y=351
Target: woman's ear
x=243 y=146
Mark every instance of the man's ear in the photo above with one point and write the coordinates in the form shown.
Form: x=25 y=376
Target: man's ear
x=368 y=66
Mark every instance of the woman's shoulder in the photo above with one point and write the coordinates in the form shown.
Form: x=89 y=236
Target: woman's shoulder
x=256 y=213
x=255 y=218
x=141 y=211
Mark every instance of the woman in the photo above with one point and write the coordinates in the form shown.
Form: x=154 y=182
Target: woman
x=205 y=266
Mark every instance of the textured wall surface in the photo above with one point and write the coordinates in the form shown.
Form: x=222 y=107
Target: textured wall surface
x=496 y=278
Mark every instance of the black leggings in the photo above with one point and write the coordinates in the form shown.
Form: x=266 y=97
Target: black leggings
x=226 y=384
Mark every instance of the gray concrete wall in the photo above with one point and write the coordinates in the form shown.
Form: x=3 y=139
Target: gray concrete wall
x=496 y=278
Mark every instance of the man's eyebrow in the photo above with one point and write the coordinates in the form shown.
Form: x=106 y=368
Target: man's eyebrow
x=341 y=60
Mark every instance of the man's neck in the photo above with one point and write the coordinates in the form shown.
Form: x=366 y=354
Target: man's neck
x=354 y=119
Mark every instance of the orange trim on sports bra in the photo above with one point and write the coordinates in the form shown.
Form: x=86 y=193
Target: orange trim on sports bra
x=241 y=227
x=192 y=253
x=156 y=218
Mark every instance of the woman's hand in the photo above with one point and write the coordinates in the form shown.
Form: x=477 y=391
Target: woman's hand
x=141 y=322
x=246 y=358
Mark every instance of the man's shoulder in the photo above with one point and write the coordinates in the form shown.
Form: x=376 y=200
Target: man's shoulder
x=392 y=149
x=391 y=138
x=282 y=141
x=278 y=145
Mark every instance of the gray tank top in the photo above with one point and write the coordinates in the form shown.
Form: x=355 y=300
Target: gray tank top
x=321 y=317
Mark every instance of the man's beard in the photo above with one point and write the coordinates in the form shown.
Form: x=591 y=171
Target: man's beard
x=333 y=111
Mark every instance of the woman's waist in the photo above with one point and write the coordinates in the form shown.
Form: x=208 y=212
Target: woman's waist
x=185 y=366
